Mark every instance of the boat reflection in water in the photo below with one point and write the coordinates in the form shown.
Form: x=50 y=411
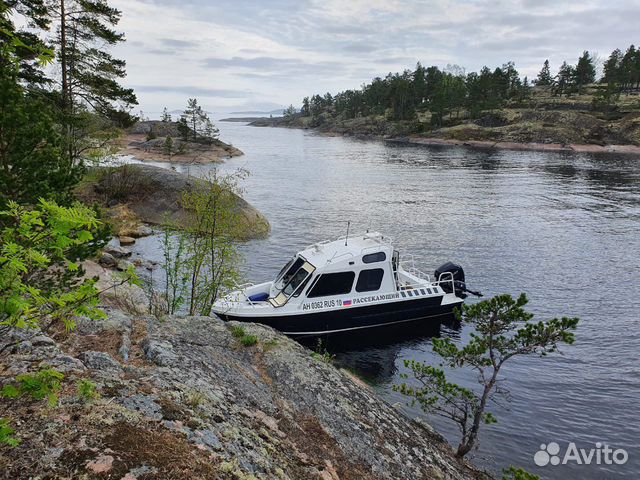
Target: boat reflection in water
x=372 y=354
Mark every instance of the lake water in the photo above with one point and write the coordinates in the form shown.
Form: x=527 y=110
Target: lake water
x=564 y=228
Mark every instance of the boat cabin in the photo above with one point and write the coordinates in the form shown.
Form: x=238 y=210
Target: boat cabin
x=359 y=264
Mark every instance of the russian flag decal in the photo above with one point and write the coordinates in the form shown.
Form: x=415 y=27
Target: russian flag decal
x=346 y=303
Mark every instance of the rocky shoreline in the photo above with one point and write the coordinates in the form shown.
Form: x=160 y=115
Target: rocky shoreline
x=531 y=146
x=136 y=195
x=532 y=130
x=183 y=398
x=146 y=141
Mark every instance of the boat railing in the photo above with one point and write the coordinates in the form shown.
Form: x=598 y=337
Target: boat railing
x=408 y=264
x=446 y=277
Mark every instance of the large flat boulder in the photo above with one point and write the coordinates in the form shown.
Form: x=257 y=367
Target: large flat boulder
x=155 y=196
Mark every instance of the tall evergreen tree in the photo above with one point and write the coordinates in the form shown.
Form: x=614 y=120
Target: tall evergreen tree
x=200 y=127
x=585 y=71
x=305 y=107
x=611 y=72
x=166 y=116
x=31 y=160
x=630 y=69
x=23 y=49
x=89 y=74
x=32 y=163
x=419 y=84
x=564 y=79
x=544 y=77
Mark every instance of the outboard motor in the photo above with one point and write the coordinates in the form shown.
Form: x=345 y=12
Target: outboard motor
x=458 y=279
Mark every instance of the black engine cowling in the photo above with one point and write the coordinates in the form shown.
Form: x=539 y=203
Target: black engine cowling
x=458 y=278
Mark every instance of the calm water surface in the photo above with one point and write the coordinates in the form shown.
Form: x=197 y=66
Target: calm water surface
x=563 y=228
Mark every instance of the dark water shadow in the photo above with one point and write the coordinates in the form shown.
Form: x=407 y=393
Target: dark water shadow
x=372 y=353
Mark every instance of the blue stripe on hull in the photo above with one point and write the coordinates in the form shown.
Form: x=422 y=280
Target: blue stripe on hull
x=355 y=318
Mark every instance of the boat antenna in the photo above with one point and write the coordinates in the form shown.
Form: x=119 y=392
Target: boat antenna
x=347 y=237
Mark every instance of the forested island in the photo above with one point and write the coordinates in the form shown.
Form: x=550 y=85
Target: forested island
x=434 y=105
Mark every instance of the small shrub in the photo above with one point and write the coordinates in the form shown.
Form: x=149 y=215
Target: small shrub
x=513 y=473
x=322 y=354
x=167 y=146
x=248 y=340
x=87 y=390
x=195 y=399
x=237 y=332
x=6 y=434
x=42 y=385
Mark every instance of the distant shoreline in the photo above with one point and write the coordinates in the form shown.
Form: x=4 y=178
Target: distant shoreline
x=280 y=122
x=530 y=146
x=243 y=119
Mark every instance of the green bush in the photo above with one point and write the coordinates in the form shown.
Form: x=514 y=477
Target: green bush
x=44 y=384
x=237 y=332
x=248 y=340
x=41 y=281
x=322 y=354
x=6 y=434
x=513 y=473
x=87 y=390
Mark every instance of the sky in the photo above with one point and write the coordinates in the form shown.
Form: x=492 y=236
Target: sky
x=260 y=55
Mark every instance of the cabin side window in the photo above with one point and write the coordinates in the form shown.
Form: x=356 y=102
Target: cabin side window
x=329 y=284
x=370 y=280
x=374 y=257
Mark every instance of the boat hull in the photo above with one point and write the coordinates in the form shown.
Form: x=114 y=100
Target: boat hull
x=354 y=318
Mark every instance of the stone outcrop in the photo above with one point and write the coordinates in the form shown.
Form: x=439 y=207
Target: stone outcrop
x=147 y=141
x=188 y=400
x=153 y=195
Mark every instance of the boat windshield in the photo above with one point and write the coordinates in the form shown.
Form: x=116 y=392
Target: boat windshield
x=295 y=282
x=284 y=269
x=294 y=279
x=288 y=272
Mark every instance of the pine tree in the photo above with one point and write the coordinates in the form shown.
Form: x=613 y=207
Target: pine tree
x=612 y=68
x=544 y=77
x=23 y=49
x=166 y=116
x=167 y=146
x=183 y=129
x=89 y=74
x=564 y=79
x=305 y=107
x=630 y=69
x=210 y=131
x=288 y=112
x=585 y=71
x=419 y=84
x=32 y=164
x=197 y=123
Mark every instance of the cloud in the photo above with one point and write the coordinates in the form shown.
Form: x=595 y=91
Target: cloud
x=282 y=50
x=193 y=91
x=179 y=44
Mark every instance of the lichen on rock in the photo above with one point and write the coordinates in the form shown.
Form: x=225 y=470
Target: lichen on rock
x=193 y=402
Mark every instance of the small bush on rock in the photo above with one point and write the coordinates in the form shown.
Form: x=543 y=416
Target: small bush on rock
x=44 y=384
x=6 y=434
x=248 y=340
x=87 y=390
